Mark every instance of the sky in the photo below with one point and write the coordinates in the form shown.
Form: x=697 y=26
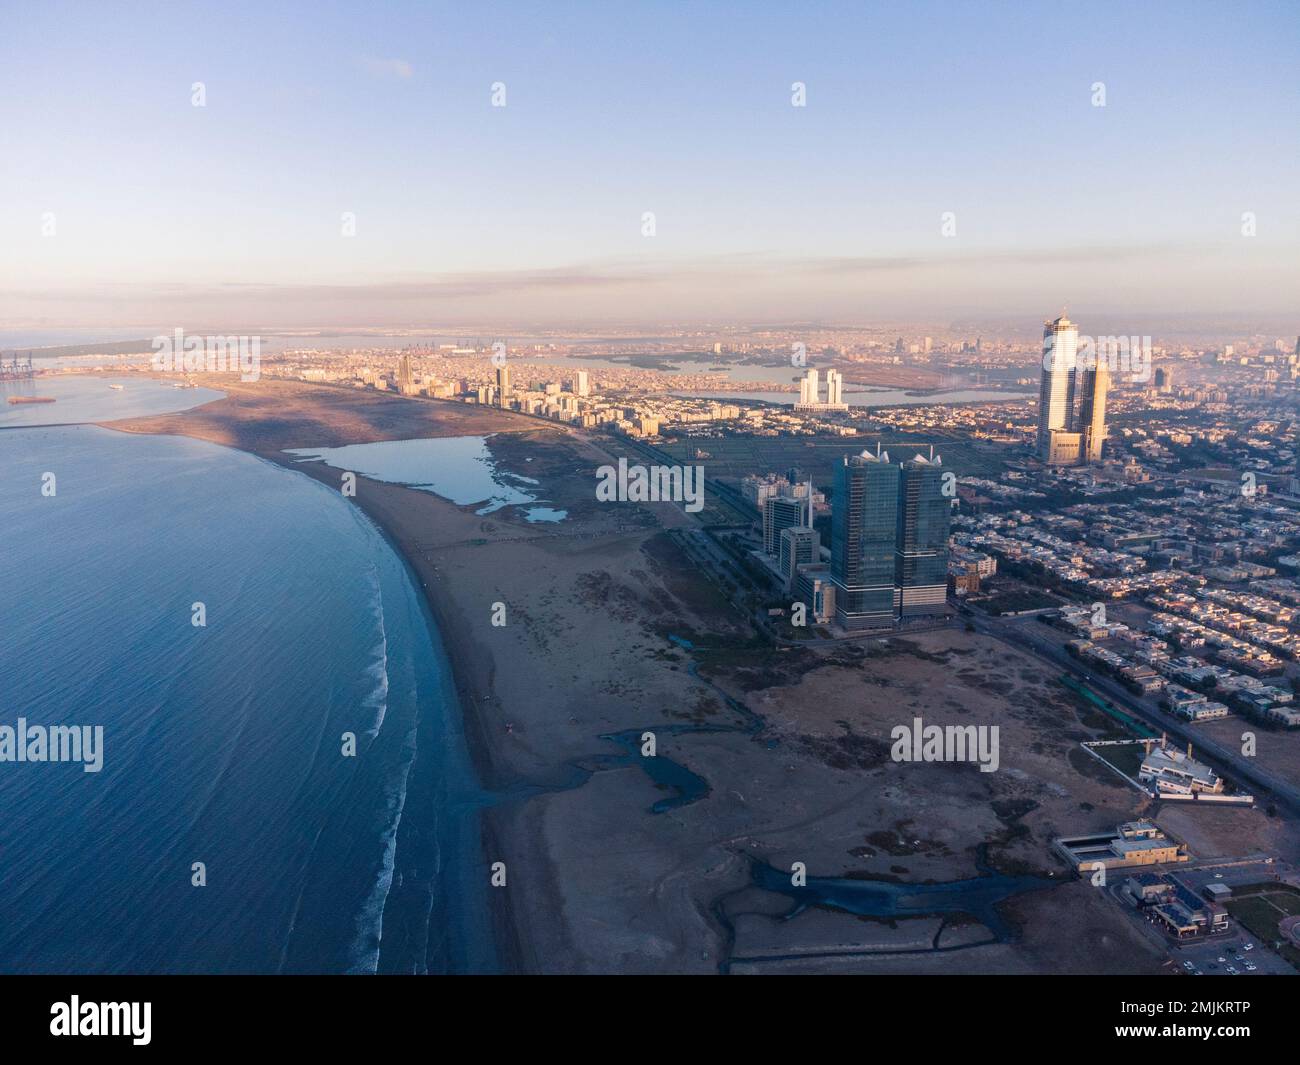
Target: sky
x=123 y=204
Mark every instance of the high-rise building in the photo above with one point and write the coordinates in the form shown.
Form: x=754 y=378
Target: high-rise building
x=780 y=512
x=810 y=387
x=1092 y=412
x=405 y=378
x=864 y=536
x=921 y=553
x=1056 y=393
x=800 y=546
x=580 y=386
x=834 y=387
x=504 y=390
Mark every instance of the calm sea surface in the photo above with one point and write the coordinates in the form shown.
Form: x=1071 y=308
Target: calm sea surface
x=90 y=399
x=223 y=743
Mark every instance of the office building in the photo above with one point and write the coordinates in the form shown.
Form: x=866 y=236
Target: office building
x=1056 y=393
x=816 y=588
x=834 y=388
x=864 y=537
x=799 y=546
x=809 y=388
x=780 y=512
x=921 y=551
x=580 y=385
x=503 y=390
x=810 y=392
x=1067 y=437
x=1092 y=413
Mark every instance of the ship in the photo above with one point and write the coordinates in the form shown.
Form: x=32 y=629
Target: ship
x=31 y=399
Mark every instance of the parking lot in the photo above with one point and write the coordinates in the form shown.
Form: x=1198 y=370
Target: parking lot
x=1235 y=952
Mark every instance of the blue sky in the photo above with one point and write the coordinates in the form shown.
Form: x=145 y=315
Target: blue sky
x=533 y=212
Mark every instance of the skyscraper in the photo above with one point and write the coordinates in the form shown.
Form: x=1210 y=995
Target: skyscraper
x=921 y=554
x=779 y=513
x=580 y=386
x=1092 y=412
x=504 y=390
x=800 y=546
x=810 y=387
x=405 y=378
x=1058 y=444
x=864 y=535
x=834 y=387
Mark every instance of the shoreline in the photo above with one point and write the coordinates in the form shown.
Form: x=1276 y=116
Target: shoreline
x=400 y=514
x=462 y=659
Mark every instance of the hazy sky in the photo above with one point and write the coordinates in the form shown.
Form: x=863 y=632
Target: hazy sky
x=230 y=214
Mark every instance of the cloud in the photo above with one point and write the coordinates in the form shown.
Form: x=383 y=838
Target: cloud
x=388 y=68
x=741 y=286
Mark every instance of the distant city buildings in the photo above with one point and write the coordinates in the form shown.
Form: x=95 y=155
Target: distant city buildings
x=810 y=392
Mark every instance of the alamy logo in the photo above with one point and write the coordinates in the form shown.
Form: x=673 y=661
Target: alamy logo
x=946 y=743
x=53 y=743
x=102 y=1018
x=651 y=484
x=208 y=354
x=1128 y=355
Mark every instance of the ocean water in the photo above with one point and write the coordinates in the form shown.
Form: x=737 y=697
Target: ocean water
x=89 y=399
x=223 y=743
x=459 y=468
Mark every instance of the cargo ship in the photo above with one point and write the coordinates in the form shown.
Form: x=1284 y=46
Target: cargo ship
x=31 y=399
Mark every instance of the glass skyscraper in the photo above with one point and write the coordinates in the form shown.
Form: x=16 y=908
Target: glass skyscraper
x=864 y=535
x=924 y=520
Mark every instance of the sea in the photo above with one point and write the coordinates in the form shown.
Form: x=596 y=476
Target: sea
x=285 y=781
